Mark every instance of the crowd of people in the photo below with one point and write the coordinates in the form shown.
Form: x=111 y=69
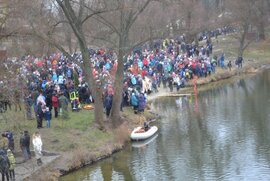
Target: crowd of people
x=56 y=81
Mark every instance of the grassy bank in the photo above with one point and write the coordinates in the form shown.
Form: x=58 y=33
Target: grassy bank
x=77 y=140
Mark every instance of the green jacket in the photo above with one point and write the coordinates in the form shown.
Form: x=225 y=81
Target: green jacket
x=63 y=102
x=11 y=159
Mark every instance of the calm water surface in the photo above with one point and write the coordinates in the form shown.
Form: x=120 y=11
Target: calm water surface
x=224 y=134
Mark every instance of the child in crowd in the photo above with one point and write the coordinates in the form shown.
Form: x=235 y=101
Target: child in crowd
x=48 y=117
x=37 y=143
x=12 y=164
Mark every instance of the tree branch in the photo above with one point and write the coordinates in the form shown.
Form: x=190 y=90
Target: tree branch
x=91 y=15
x=52 y=42
x=137 y=14
x=107 y=23
x=72 y=19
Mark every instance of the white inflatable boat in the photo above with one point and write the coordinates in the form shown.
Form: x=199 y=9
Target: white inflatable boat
x=139 y=133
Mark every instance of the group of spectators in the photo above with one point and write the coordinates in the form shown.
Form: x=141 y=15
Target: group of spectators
x=55 y=81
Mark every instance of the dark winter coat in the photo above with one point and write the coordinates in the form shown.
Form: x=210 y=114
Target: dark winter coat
x=108 y=102
x=142 y=102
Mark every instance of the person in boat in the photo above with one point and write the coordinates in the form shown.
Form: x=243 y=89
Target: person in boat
x=146 y=126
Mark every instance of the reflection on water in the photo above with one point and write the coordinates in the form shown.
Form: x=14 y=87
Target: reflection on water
x=227 y=137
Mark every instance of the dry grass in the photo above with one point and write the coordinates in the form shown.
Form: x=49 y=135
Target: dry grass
x=77 y=158
x=47 y=174
x=121 y=134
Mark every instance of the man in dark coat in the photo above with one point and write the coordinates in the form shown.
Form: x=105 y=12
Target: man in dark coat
x=40 y=115
x=25 y=145
x=27 y=140
x=108 y=104
x=4 y=165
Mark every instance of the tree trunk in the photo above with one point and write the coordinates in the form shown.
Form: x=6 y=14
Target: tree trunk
x=262 y=20
x=95 y=89
x=261 y=31
x=118 y=84
x=76 y=25
x=242 y=40
x=188 y=20
x=196 y=40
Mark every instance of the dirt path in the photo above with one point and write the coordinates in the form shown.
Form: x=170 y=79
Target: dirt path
x=24 y=169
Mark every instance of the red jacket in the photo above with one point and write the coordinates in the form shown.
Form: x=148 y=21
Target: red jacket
x=55 y=101
x=145 y=62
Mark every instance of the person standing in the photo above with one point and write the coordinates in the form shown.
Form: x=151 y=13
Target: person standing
x=12 y=164
x=48 y=117
x=4 y=142
x=134 y=101
x=170 y=81
x=222 y=61
x=10 y=138
x=40 y=115
x=141 y=102
x=37 y=144
x=63 y=104
x=108 y=104
x=229 y=65
x=28 y=106
x=55 y=104
x=23 y=147
x=4 y=166
x=27 y=140
x=240 y=61
x=41 y=98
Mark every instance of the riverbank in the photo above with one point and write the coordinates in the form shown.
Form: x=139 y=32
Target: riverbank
x=73 y=155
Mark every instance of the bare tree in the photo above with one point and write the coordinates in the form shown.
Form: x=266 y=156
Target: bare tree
x=76 y=15
x=260 y=13
x=241 y=17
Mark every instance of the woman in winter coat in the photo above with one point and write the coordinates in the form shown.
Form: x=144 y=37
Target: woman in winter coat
x=37 y=143
x=141 y=102
x=134 y=101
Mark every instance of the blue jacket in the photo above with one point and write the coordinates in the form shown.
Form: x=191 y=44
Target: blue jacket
x=141 y=102
x=134 y=100
x=48 y=115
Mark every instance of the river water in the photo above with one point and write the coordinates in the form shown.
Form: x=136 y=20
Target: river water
x=223 y=134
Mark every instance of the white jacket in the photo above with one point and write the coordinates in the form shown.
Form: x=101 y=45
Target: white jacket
x=37 y=143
